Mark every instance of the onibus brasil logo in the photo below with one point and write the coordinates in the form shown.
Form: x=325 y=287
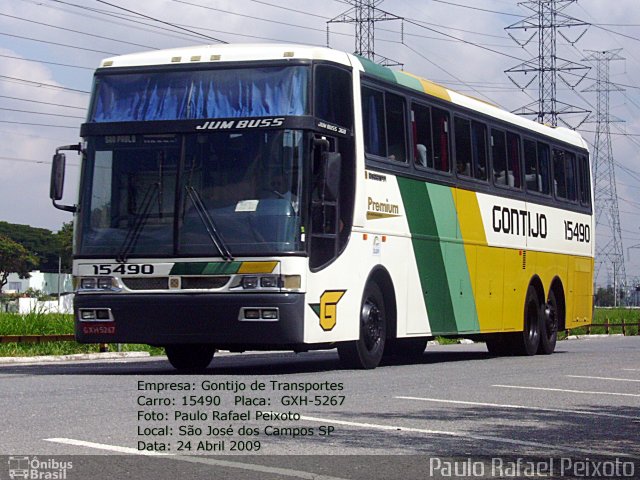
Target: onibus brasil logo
x=37 y=469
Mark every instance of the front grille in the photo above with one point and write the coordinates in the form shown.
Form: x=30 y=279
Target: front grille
x=204 y=282
x=150 y=283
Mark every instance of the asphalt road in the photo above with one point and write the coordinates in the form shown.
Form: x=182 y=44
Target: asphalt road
x=397 y=421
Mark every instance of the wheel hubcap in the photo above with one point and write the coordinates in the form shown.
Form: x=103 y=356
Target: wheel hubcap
x=371 y=325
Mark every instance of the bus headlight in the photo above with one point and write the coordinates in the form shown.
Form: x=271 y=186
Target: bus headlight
x=94 y=284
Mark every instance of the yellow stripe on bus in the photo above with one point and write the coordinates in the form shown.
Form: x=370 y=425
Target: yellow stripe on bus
x=257 y=267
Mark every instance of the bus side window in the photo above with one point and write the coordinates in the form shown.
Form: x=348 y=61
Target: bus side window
x=375 y=138
x=395 y=118
x=463 y=146
x=544 y=167
x=585 y=181
x=421 y=127
x=479 y=145
x=440 y=126
x=499 y=157
x=571 y=176
x=514 y=170
x=532 y=176
x=559 y=174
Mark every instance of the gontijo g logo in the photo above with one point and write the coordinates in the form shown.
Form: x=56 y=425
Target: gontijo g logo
x=327 y=309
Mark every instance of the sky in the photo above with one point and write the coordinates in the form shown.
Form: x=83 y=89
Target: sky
x=50 y=48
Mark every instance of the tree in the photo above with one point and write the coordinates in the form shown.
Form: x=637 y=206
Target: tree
x=14 y=258
x=64 y=241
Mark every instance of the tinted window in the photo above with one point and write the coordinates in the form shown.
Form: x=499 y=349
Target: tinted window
x=463 y=146
x=422 y=144
x=333 y=95
x=395 y=110
x=375 y=138
x=440 y=124
x=471 y=148
x=585 y=181
x=514 y=170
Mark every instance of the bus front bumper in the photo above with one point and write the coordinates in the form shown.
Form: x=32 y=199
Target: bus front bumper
x=225 y=320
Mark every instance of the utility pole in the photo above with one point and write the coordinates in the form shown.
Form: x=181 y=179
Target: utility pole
x=609 y=252
x=365 y=14
x=546 y=22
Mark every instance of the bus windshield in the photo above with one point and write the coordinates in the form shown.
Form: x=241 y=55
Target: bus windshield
x=198 y=94
x=196 y=194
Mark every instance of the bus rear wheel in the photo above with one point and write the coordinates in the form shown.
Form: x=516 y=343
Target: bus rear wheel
x=366 y=352
x=191 y=358
x=549 y=325
x=526 y=343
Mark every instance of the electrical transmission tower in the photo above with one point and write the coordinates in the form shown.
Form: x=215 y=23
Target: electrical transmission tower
x=546 y=22
x=609 y=252
x=365 y=15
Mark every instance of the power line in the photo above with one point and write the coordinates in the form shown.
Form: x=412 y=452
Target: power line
x=38 y=124
x=42 y=84
x=78 y=31
x=161 y=21
x=40 y=113
x=57 y=44
x=43 y=103
x=479 y=9
x=45 y=62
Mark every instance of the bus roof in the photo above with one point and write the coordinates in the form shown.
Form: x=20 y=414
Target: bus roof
x=255 y=52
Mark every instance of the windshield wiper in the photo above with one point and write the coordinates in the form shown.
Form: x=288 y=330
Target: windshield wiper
x=133 y=234
x=207 y=221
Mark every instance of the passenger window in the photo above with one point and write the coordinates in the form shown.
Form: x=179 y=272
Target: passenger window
x=514 y=175
x=499 y=156
x=572 y=177
x=395 y=111
x=559 y=174
x=585 y=181
x=375 y=139
x=422 y=144
x=544 y=167
x=463 y=146
x=383 y=117
x=536 y=166
x=440 y=124
x=471 y=148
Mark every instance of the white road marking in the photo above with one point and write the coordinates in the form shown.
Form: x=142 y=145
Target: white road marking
x=631 y=369
x=521 y=407
x=569 y=391
x=511 y=441
x=604 y=378
x=197 y=459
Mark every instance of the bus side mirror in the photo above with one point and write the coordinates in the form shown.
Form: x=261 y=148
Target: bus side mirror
x=331 y=166
x=57 y=176
x=56 y=187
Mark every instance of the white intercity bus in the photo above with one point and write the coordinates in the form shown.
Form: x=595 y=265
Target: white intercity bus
x=288 y=197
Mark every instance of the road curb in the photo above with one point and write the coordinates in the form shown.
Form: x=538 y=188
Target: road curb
x=76 y=357
x=588 y=337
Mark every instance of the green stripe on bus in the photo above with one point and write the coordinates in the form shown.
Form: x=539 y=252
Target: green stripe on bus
x=455 y=259
x=205 y=268
x=408 y=81
x=377 y=70
x=429 y=256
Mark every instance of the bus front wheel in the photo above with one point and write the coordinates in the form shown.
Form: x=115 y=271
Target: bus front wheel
x=188 y=357
x=366 y=352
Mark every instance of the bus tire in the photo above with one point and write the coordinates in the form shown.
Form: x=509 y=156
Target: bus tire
x=526 y=342
x=190 y=357
x=549 y=325
x=366 y=352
